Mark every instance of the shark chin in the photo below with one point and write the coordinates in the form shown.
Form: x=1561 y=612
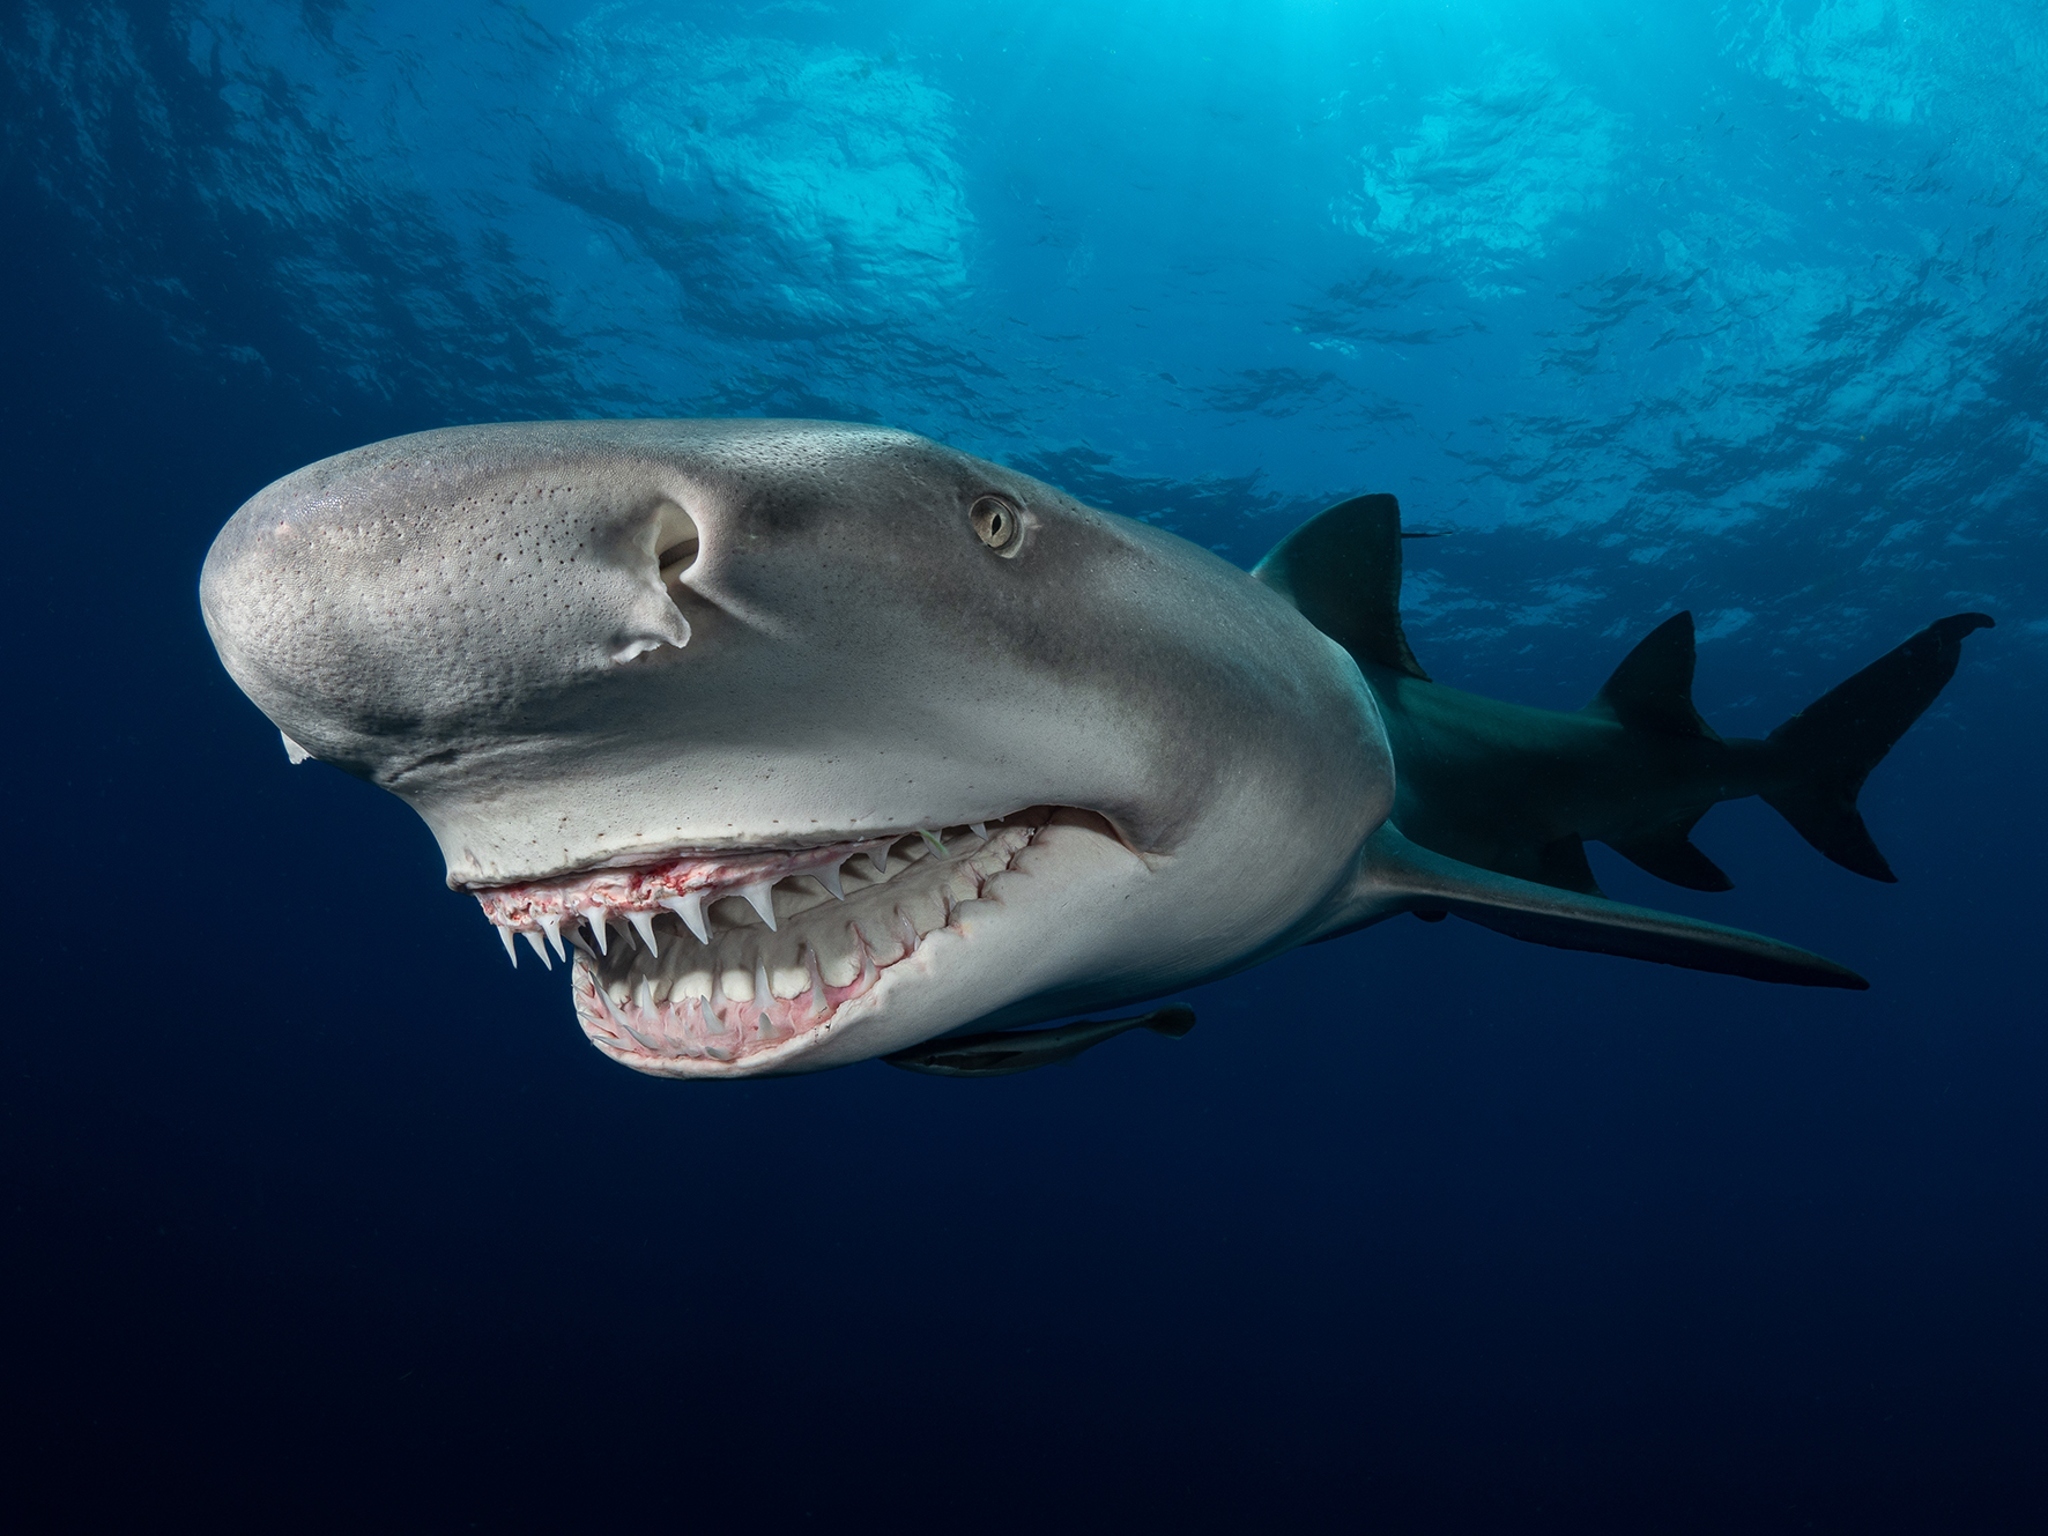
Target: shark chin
x=769 y=961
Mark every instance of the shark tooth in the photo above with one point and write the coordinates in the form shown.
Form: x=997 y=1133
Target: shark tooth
x=933 y=841
x=595 y=917
x=820 y=1003
x=532 y=936
x=643 y=924
x=511 y=949
x=732 y=981
x=551 y=925
x=690 y=908
x=761 y=897
x=646 y=1044
x=827 y=875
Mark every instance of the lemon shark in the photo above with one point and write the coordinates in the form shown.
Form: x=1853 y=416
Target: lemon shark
x=802 y=743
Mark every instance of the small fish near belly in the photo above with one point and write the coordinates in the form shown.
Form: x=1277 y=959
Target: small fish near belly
x=1003 y=1053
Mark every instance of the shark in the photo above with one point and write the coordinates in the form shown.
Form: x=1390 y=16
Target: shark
x=802 y=743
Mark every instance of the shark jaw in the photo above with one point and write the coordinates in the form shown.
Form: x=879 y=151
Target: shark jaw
x=737 y=964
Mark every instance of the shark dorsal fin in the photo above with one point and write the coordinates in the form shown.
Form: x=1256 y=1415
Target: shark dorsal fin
x=1342 y=570
x=1652 y=688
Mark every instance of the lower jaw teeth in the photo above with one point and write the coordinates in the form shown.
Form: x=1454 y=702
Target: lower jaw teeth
x=718 y=1026
x=672 y=995
x=710 y=1006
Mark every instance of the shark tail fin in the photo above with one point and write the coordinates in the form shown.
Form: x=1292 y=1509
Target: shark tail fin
x=1406 y=876
x=1342 y=570
x=1827 y=750
x=1172 y=1021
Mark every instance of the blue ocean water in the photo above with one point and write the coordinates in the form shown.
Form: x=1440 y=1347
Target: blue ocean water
x=322 y=1218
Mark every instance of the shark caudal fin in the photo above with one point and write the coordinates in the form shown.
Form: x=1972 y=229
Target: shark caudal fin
x=1342 y=570
x=1404 y=876
x=1827 y=750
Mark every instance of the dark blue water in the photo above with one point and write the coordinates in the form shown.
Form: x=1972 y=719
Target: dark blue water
x=318 y=1217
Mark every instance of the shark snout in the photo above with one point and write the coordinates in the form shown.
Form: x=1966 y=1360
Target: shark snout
x=369 y=606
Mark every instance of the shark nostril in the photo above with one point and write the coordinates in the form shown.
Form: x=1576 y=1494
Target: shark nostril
x=669 y=541
x=675 y=560
x=675 y=542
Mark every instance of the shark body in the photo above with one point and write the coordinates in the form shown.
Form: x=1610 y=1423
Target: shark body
x=804 y=743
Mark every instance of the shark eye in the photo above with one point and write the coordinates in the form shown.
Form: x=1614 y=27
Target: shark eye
x=996 y=523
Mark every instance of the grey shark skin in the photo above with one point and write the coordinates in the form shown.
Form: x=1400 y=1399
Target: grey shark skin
x=816 y=741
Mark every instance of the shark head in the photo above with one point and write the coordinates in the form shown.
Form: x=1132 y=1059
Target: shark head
x=804 y=742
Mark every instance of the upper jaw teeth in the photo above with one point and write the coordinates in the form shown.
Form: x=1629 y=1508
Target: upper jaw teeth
x=761 y=897
x=690 y=908
x=643 y=924
x=723 y=956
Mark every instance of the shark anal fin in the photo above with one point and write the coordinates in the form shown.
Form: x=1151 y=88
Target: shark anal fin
x=1668 y=853
x=1405 y=876
x=1563 y=864
x=1652 y=688
x=1827 y=750
x=1342 y=570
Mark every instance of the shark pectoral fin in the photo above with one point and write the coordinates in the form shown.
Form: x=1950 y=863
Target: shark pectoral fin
x=1402 y=874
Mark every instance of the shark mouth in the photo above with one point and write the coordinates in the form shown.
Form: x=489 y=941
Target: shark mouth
x=693 y=964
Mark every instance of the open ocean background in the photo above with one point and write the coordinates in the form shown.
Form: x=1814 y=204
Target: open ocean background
x=318 y=1217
